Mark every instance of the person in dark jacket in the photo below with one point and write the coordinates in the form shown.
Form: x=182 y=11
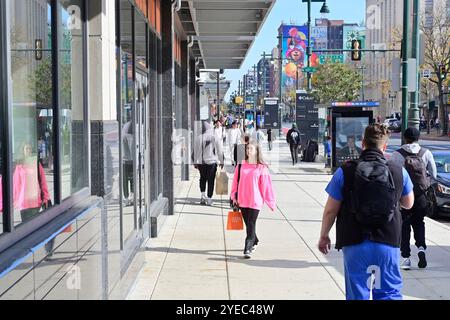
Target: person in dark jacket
x=371 y=254
x=293 y=138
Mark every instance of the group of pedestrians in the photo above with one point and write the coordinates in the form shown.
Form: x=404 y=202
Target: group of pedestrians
x=374 y=203
x=251 y=186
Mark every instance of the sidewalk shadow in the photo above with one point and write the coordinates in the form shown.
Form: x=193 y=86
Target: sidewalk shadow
x=217 y=253
x=274 y=263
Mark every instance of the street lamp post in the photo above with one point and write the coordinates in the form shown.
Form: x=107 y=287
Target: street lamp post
x=414 y=109
x=323 y=10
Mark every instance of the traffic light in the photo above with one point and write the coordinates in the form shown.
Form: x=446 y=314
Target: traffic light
x=442 y=72
x=356 y=50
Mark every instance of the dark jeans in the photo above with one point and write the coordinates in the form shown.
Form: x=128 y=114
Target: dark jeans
x=414 y=218
x=207 y=175
x=250 y=216
x=29 y=214
x=294 y=153
x=270 y=145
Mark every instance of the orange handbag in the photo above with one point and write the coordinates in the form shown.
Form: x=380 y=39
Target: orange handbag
x=235 y=221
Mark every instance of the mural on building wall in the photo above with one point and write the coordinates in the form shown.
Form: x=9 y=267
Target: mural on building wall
x=294 y=44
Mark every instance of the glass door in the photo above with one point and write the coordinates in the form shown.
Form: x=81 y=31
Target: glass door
x=141 y=152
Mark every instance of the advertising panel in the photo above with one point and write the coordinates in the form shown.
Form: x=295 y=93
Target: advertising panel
x=307 y=117
x=271 y=114
x=294 y=43
x=349 y=135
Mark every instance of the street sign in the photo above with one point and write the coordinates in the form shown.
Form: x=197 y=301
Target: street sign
x=309 y=69
x=331 y=58
x=426 y=74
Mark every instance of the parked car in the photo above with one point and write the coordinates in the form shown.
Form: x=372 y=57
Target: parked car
x=441 y=185
x=393 y=124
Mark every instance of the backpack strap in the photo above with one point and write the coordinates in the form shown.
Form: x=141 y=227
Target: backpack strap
x=404 y=153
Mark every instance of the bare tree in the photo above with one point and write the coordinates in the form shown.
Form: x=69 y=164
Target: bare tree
x=436 y=33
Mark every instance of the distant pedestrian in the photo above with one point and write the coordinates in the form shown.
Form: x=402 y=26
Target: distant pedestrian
x=254 y=189
x=365 y=197
x=293 y=138
x=208 y=154
x=419 y=163
x=269 y=138
x=234 y=138
x=328 y=150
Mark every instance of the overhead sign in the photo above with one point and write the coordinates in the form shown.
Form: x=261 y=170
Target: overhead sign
x=239 y=100
x=331 y=58
x=309 y=69
x=362 y=104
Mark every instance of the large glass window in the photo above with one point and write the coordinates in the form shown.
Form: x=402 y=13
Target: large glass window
x=32 y=107
x=71 y=92
x=127 y=105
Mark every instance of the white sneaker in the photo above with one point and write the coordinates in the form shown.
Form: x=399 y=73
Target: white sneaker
x=209 y=201
x=203 y=199
x=406 y=264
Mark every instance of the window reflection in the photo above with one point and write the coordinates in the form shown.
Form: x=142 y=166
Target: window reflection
x=128 y=134
x=73 y=158
x=32 y=106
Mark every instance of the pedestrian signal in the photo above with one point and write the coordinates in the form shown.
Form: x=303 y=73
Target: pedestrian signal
x=356 y=50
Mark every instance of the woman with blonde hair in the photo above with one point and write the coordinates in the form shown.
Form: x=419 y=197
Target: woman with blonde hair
x=251 y=188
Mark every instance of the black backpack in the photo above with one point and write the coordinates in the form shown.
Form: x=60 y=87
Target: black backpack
x=417 y=170
x=373 y=199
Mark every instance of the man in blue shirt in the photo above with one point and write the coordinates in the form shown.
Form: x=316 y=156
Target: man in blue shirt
x=371 y=254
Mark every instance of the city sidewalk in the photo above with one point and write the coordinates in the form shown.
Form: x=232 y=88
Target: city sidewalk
x=195 y=257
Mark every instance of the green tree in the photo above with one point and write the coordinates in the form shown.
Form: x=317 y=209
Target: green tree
x=336 y=82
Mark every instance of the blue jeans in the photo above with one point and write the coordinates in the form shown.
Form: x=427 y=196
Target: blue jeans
x=365 y=259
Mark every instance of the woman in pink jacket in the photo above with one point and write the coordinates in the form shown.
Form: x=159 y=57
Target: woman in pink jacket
x=255 y=189
x=30 y=190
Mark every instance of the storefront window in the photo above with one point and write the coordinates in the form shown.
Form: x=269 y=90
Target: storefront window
x=1 y=184
x=32 y=107
x=71 y=93
x=127 y=105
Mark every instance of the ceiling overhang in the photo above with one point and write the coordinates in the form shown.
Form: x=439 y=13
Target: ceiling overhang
x=223 y=31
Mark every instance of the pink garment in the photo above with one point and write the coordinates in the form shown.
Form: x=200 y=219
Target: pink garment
x=23 y=198
x=255 y=187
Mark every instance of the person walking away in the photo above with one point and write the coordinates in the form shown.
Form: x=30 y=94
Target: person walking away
x=208 y=154
x=293 y=138
x=258 y=135
x=328 y=151
x=368 y=230
x=419 y=162
x=255 y=189
x=269 y=138
x=234 y=139
x=219 y=132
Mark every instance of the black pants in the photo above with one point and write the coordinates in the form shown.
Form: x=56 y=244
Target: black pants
x=270 y=144
x=207 y=175
x=29 y=214
x=250 y=216
x=294 y=153
x=414 y=218
x=127 y=178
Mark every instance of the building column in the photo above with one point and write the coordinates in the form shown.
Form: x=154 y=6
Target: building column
x=185 y=112
x=168 y=101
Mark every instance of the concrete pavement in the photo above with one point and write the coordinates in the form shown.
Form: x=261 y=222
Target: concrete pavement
x=195 y=257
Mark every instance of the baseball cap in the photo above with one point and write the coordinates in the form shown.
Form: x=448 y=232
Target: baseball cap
x=412 y=134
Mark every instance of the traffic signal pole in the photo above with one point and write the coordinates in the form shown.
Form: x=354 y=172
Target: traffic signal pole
x=308 y=50
x=405 y=54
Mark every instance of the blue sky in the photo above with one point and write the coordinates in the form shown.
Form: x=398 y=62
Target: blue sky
x=287 y=10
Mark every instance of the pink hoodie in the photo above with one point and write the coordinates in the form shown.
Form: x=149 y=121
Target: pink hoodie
x=255 y=187
x=22 y=199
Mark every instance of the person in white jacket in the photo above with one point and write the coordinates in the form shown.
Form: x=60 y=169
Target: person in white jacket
x=234 y=139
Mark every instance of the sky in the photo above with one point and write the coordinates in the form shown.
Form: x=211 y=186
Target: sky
x=351 y=11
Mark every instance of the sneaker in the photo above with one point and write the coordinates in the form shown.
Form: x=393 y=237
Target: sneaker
x=422 y=258
x=254 y=248
x=247 y=254
x=406 y=264
x=210 y=202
